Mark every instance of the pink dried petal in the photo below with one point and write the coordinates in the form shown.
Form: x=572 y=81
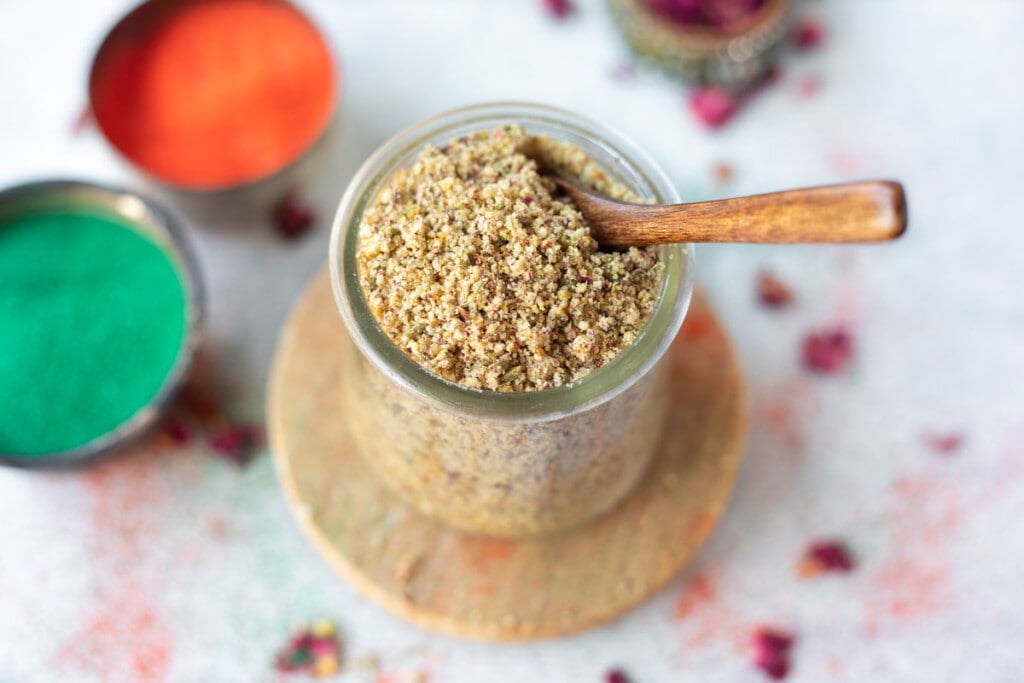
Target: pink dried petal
x=296 y=655
x=321 y=647
x=229 y=440
x=292 y=218
x=772 y=76
x=616 y=676
x=944 y=444
x=773 y=292
x=826 y=556
x=808 y=34
x=773 y=640
x=176 y=431
x=197 y=398
x=829 y=351
x=300 y=640
x=712 y=105
x=558 y=8
x=238 y=443
x=775 y=668
x=769 y=650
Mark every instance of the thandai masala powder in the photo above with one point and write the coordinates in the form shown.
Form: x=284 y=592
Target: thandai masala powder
x=479 y=269
x=92 y=321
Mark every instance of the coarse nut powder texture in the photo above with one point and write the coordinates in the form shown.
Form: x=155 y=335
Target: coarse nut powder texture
x=478 y=268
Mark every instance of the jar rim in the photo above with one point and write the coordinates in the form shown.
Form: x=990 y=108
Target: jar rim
x=630 y=166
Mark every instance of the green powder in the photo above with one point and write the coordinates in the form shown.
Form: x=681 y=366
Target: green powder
x=92 y=319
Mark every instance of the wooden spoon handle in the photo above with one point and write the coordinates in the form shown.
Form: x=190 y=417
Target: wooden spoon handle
x=867 y=211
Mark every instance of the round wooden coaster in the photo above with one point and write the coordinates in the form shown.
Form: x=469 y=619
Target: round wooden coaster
x=446 y=580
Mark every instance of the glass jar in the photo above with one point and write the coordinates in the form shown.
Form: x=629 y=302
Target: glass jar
x=734 y=55
x=505 y=464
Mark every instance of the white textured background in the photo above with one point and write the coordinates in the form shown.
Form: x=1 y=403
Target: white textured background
x=179 y=567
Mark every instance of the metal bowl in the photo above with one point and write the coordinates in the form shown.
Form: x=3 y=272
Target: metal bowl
x=165 y=230
x=210 y=201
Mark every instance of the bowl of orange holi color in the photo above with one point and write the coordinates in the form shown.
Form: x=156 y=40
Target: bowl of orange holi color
x=212 y=95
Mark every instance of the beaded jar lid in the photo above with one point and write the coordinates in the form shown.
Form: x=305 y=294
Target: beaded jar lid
x=732 y=54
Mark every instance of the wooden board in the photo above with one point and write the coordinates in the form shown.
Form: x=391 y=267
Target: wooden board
x=446 y=580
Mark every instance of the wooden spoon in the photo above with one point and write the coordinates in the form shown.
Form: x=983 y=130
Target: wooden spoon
x=870 y=211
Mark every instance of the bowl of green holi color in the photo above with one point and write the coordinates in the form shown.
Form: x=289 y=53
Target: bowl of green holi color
x=101 y=309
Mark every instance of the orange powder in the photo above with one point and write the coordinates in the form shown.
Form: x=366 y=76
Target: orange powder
x=209 y=94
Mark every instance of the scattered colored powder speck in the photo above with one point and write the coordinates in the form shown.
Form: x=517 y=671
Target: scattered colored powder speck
x=92 y=320
x=314 y=650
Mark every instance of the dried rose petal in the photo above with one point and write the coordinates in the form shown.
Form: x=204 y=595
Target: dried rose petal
x=301 y=640
x=558 y=8
x=616 y=676
x=772 y=76
x=944 y=443
x=238 y=443
x=198 y=397
x=176 y=431
x=292 y=218
x=296 y=655
x=314 y=650
x=712 y=105
x=323 y=646
x=808 y=34
x=769 y=651
x=773 y=292
x=825 y=556
x=829 y=351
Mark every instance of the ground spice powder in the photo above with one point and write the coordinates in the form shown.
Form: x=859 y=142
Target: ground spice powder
x=481 y=271
x=207 y=94
x=92 y=320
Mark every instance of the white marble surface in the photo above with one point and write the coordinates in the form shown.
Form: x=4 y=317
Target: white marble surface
x=170 y=566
